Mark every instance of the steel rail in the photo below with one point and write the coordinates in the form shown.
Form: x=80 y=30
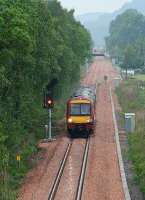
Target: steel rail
x=59 y=174
x=83 y=170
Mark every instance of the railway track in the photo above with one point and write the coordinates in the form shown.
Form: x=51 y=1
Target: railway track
x=83 y=170
x=56 y=183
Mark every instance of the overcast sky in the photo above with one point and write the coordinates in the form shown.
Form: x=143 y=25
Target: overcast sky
x=86 y=6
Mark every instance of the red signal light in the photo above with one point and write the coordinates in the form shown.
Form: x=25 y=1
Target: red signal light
x=49 y=102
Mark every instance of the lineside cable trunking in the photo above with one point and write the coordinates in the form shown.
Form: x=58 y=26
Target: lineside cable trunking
x=130 y=122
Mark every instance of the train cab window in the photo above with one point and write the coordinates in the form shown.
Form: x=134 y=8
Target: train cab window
x=75 y=109
x=85 y=109
x=80 y=109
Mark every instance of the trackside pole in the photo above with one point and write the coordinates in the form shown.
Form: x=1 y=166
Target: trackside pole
x=50 y=124
x=48 y=104
x=48 y=128
x=46 y=131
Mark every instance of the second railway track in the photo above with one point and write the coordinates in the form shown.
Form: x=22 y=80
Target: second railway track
x=83 y=170
x=57 y=181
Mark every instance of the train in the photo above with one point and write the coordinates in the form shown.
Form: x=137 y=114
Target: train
x=80 y=115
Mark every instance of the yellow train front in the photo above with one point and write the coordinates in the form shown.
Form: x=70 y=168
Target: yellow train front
x=81 y=112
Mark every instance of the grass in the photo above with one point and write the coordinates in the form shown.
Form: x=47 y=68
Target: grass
x=132 y=99
x=140 y=77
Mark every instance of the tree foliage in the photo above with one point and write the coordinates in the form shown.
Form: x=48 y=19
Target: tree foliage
x=127 y=39
x=40 y=42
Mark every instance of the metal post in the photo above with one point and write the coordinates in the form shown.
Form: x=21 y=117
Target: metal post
x=46 y=131
x=48 y=128
x=49 y=124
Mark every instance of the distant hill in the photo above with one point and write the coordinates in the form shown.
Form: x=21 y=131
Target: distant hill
x=98 y=23
x=90 y=17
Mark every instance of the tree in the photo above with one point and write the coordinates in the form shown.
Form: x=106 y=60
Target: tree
x=40 y=43
x=126 y=33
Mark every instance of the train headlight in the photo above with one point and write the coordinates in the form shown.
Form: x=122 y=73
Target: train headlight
x=69 y=120
x=90 y=120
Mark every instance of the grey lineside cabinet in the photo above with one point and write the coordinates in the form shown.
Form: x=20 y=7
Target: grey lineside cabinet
x=130 y=122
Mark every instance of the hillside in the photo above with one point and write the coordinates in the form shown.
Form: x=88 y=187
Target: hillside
x=98 y=23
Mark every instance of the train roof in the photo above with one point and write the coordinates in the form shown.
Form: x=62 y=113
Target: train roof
x=85 y=92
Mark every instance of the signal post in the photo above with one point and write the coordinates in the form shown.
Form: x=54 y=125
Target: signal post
x=50 y=124
x=48 y=104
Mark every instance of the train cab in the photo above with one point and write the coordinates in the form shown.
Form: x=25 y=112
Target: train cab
x=81 y=113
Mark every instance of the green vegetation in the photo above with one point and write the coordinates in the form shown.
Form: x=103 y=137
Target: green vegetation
x=140 y=77
x=132 y=99
x=40 y=42
x=126 y=42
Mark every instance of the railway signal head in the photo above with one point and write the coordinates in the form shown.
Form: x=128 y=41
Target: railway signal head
x=48 y=101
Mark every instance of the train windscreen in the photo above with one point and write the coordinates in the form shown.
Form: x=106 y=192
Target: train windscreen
x=80 y=109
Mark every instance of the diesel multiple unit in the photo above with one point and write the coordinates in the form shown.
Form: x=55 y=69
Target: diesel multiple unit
x=81 y=111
